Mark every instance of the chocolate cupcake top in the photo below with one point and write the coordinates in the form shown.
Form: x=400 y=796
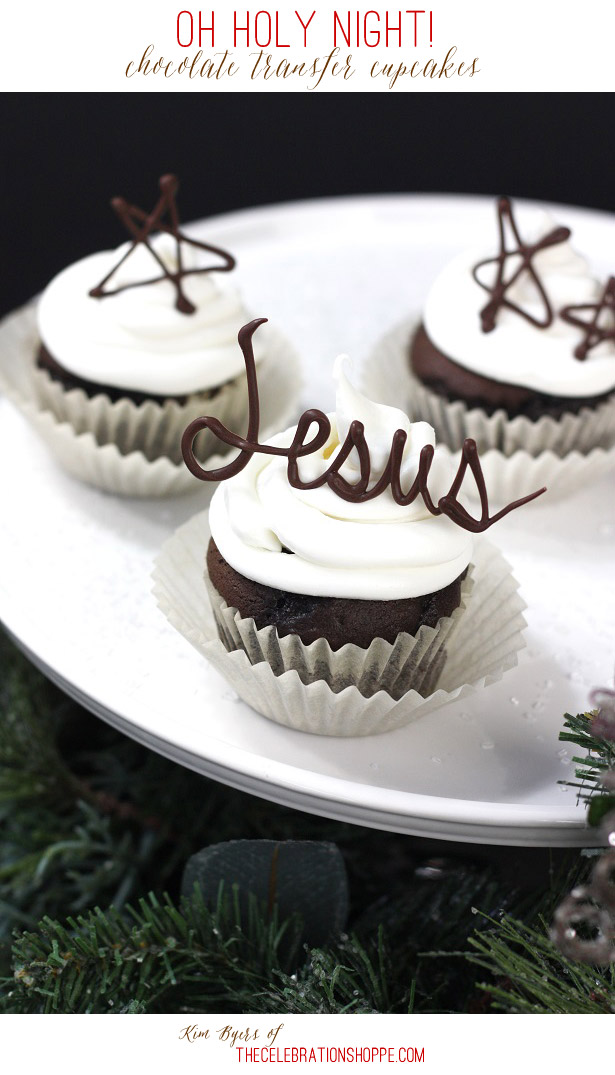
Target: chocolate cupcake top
x=158 y=315
x=505 y=312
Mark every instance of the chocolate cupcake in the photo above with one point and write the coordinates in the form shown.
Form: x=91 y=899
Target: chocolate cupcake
x=455 y=382
x=339 y=620
x=132 y=344
x=517 y=349
x=339 y=549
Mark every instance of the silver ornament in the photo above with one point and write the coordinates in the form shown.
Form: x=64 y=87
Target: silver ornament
x=603 y=724
x=603 y=881
x=608 y=780
x=607 y=828
x=582 y=930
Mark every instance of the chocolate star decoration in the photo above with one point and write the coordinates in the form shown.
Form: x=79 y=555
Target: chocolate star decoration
x=141 y=225
x=593 y=332
x=526 y=253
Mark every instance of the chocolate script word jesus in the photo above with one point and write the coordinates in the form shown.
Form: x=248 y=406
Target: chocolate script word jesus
x=360 y=491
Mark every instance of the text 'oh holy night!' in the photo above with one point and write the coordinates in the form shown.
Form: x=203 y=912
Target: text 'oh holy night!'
x=281 y=30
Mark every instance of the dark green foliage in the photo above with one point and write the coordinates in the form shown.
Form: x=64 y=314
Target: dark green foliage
x=89 y=819
x=597 y=756
x=150 y=958
x=203 y=958
x=599 y=807
x=531 y=976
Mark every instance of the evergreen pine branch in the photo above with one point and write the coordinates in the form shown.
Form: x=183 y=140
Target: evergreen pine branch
x=376 y=969
x=597 y=758
x=446 y=973
x=159 y=957
x=153 y=957
x=532 y=977
x=352 y=978
x=189 y=958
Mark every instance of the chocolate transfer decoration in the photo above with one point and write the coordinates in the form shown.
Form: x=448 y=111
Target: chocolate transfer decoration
x=524 y=251
x=593 y=332
x=141 y=225
x=356 y=493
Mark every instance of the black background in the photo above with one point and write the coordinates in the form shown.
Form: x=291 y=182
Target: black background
x=66 y=155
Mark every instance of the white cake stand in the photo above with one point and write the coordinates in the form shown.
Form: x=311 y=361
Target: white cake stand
x=75 y=565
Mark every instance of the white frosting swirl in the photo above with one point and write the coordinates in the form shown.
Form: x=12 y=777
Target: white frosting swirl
x=137 y=339
x=376 y=550
x=516 y=352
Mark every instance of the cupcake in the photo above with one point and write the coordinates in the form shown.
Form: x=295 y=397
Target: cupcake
x=132 y=344
x=517 y=347
x=341 y=556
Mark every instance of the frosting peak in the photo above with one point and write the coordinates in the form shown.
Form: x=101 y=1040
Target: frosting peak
x=380 y=423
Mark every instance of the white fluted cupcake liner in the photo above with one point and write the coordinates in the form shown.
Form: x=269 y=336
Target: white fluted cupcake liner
x=454 y=421
x=518 y=455
x=155 y=429
x=130 y=449
x=481 y=643
x=411 y=662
